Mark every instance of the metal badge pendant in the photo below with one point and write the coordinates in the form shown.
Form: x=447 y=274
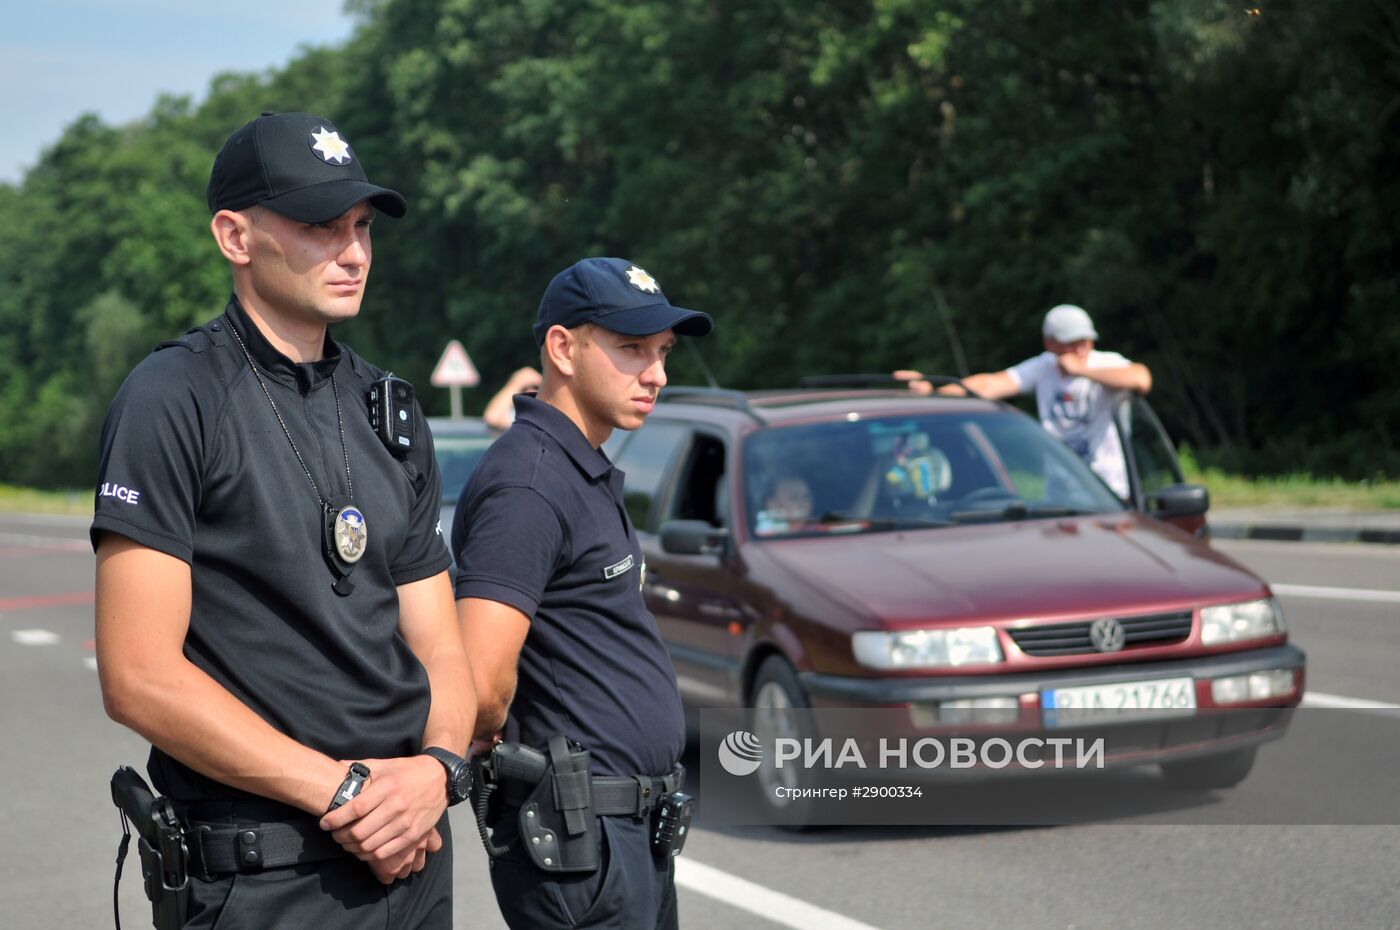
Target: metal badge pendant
x=344 y=538
x=350 y=534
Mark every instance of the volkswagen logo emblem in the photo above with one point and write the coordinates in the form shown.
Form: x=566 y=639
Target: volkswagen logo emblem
x=1106 y=635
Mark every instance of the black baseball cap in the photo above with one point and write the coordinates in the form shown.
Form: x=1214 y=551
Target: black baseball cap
x=297 y=165
x=617 y=295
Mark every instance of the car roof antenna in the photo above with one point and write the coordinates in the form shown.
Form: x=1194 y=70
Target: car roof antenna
x=700 y=360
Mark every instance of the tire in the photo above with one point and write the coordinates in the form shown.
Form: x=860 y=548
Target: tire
x=1224 y=770
x=775 y=695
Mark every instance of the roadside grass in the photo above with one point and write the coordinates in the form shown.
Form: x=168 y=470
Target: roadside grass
x=29 y=500
x=1290 y=492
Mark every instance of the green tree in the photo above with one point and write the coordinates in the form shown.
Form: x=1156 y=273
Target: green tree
x=848 y=186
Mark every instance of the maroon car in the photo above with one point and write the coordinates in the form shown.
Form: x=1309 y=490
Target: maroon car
x=858 y=548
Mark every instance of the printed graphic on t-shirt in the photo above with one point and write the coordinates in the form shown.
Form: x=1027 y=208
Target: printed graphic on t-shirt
x=1070 y=413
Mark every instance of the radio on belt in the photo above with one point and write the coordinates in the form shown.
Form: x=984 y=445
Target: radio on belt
x=391 y=413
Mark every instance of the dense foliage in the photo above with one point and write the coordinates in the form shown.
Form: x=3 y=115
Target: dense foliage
x=848 y=185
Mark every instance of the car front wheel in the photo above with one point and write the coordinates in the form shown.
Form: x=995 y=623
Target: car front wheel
x=779 y=709
x=1224 y=770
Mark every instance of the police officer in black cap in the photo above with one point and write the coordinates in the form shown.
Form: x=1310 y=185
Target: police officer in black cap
x=273 y=606
x=549 y=597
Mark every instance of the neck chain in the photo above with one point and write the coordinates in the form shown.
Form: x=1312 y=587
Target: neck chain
x=343 y=524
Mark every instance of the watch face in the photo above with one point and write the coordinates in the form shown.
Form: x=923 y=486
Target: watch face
x=459 y=786
x=459 y=774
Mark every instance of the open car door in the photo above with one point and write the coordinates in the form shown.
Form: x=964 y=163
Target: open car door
x=1157 y=485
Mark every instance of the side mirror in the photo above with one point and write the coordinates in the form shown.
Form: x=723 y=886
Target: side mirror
x=1179 y=500
x=692 y=537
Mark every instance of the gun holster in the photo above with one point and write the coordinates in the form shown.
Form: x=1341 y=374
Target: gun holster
x=557 y=825
x=160 y=844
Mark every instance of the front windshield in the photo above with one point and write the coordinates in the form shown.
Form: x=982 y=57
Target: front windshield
x=882 y=473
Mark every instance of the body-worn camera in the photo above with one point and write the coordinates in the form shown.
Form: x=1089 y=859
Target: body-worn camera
x=391 y=413
x=670 y=824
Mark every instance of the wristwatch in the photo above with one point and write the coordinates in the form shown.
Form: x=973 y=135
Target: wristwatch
x=459 y=774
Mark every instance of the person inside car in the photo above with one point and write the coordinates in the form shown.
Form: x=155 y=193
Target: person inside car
x=787 y=507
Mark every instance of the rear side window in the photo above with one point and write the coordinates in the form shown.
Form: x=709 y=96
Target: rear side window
x=646 y=461
x=700 y=492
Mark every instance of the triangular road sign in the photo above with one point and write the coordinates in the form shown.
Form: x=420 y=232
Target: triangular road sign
x=455 y=368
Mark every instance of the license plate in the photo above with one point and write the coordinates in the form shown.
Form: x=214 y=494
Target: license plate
x=1122 y=702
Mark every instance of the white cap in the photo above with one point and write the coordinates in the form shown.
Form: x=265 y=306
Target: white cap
x=1068 y=323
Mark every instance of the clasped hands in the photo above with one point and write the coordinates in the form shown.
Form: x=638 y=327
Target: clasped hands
x=391 y=825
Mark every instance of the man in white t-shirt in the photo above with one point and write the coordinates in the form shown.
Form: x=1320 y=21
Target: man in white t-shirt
x=1076 y=390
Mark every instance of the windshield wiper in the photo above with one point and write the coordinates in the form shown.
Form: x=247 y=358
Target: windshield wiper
x=1016 y=510
x=879 y=523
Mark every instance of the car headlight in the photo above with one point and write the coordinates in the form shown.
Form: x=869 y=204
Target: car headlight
x=1231 y=623
x=971 y=645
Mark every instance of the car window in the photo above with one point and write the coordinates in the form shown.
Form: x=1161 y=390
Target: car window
x=1147 y=443
x=898 y=472
x=456 y=458
x=646 y=461
x=700 y=489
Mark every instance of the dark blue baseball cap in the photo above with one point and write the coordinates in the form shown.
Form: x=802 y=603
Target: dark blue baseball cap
x=297 y=165
x=616 y=295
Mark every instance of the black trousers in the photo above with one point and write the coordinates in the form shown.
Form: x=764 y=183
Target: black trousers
x=341 y=893
x=631 y=889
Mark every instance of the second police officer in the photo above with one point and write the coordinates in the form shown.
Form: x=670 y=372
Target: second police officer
x=550 y=604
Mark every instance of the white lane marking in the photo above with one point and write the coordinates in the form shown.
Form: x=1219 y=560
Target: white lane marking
x=90 y=662
x=1316 y=699
x=775 y=906
x=703 y=691
x=1337 y=594
x=34 y=637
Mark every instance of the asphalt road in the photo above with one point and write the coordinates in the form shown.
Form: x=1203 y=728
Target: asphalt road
x=1144 y=868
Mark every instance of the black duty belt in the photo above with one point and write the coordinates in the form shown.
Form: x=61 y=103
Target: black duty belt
x=223 y=847
x=615 y=795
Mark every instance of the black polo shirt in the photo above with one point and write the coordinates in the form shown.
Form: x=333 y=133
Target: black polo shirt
x=541 y=527
x=194 y=464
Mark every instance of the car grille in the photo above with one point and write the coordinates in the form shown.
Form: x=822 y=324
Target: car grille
x=1068 y=639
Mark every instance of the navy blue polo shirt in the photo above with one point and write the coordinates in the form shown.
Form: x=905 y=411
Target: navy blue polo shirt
x=541 y=527
x=195 y=465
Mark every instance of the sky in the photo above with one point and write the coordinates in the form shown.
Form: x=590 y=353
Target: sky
x=60 y=59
